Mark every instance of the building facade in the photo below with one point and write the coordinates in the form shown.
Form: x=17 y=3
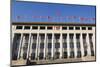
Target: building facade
x=36 y=43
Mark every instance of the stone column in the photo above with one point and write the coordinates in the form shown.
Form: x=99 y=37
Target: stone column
x=81 y=45
x=75 y=46
x=37 y=46
x=60 y=45
x=21 y=50
x=29 y=43
x=30 y=48
x=93 y=40
x=68 y=45
x=45 y=43
x=20 y=45
x=88 y=45
x=52 y=51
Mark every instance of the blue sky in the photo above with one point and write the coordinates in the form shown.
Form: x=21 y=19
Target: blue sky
x=25 y=12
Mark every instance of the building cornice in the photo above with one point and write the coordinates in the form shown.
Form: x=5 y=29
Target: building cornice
x=52 y=23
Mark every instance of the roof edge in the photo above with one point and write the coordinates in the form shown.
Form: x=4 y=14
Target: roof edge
x=49 y=23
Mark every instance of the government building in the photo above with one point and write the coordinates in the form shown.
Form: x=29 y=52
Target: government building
x=48 y=43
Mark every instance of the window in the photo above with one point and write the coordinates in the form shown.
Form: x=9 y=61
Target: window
x=41 y=45
x=57 y=36
x=72 y=54
x=32 y=56
x=49 y=28
x=57 y=55
x=49 y=45
x=42 y=36
x=27 y=27
x=19 y=27
x=57 y=27
x=34 y=46
x=49 y=55
x=83 y=28
x=24 y=55
x=89 y=28
x=57 y=45
x=85 y=53
x=65 y=54
x=71 y=28
x=84 y=36
x=71 y=36
x=64 y=36
x=49 y=36
x=78 y=45
x=64 y=45
x=71 y=45
x=77 y=28
x=34 y=36
x=78 y=54
x=42 y=28
x=77 y=36
x=64 y=28
x=41 y=56
x=34 y=27
x=92 y=53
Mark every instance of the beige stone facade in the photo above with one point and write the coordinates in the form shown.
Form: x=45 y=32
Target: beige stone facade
x=52 y=43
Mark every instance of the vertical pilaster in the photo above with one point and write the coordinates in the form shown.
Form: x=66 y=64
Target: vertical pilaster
x=52 y=51
x=88 y=44
x=60 y=45
x=37 y=46
x=75 y=47
x=81 y=44
x=68 y=48
x=21 y=50
x=30 y=49
x=45 y=43
x=93 y=40
x=20 y=44
x=29 y=43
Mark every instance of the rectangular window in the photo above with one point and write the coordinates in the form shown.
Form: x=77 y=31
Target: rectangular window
x=49 y=45
x=57 y=36
x=34 y=46
x=71 y=28
x=89 y=28
x=41 y=56
x=19 y=27
x=92 y=52
x=64 y=36
x=72 y=54
x=49 y=36
x=33 y=56
x=77 y=28
x=65 y=54
x=83 y=28
x=49 y=28
x=49 y=55
x=27 y=27
x=42 y=28
x=41 y=45
x=42 y=36
x=57 y=55
x=64 y=28
x=71 y=45
x=34 y=27
x=65 y=45
x=85 y=52
x=57 y=45
x=78 y=54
